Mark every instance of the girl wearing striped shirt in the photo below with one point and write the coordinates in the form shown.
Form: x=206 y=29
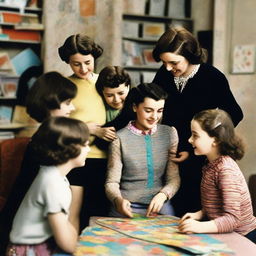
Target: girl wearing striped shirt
x=226 y=202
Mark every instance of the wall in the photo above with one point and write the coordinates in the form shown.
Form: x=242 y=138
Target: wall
x=235 y=24
x=63 y=18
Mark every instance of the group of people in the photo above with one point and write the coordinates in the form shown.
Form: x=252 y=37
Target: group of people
x=165 y=147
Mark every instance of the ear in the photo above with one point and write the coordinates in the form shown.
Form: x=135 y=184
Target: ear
x=134 y=108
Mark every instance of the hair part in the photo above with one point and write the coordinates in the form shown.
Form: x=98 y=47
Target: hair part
x=180 y=41
x=112 y=77
x=47 y=93
x=79 y=43
x=58 y=140
x=218 y=124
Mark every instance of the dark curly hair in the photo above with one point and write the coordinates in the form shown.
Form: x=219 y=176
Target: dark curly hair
x=218 y=124
x=180 y=41
x=58 y=140
x=47 y=93
x=112 y=77
x=79 y=44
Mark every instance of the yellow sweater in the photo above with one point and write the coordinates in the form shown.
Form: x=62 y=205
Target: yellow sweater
x=89 y=108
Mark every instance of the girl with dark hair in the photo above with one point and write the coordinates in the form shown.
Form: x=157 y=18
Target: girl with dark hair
x=60 y=144
x=89 y=199
x=50 y=95
x=113 y=85
x=226 y=201
x=192 y=86
x=141 y=174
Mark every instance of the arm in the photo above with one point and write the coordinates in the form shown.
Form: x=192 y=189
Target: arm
x=172 y=178
x=64 y=233
x=75 y=207
x=229 y=186
x=114 y=173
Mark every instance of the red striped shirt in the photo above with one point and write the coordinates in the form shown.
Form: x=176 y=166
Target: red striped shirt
x=226 y=198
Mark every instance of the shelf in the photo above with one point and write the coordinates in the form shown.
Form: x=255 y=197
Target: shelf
x=153 y=18
x=16 y=8
x=19 y=41
x=143 y=67
x=139 y=39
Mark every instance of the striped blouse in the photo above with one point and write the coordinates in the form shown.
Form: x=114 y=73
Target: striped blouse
x=226 y=198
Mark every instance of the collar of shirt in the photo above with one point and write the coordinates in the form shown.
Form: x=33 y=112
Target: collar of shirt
x=181 y=81
x=139 y=132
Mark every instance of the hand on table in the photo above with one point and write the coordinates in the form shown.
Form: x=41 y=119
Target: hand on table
x=156 y=204
x=123 y=206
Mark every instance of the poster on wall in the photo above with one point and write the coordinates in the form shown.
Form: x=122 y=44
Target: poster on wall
x=243 y=59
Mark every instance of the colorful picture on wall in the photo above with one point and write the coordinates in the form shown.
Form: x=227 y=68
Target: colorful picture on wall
x=243 y=59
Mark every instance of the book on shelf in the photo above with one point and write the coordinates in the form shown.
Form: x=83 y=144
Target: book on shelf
x=148 y=57
x=6 y=66
x=9 y=86
x=135 y=77
x=25 y=59
x=157 y=7
x=22 y=35
x=5 y=114
x=148 y=76
x=152 y=30
x=34 y=3
x=134 y=7
x=177 y=9
x=4 y=135
x=14 y=3
x=131 y=53
x=131 y=29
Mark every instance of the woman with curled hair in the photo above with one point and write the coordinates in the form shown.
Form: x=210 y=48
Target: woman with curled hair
x=41 y=224
x=192 y=86
x=81 y=52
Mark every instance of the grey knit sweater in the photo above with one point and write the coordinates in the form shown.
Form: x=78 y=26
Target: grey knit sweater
x=140 y=166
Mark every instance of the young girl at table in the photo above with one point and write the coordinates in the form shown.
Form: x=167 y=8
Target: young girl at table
x=225 y=197
x=141 y=175
x=113 y=84
x=50 y=95
x=60 y=144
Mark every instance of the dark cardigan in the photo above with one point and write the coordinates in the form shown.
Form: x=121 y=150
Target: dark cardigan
x=208 y=89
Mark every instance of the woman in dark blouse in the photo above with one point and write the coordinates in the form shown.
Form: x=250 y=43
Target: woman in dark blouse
x=192 y=86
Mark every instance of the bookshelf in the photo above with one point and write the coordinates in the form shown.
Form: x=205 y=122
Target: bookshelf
x=141 y=31
x=21 y=36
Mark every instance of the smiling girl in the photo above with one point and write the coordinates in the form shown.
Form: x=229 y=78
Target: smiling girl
x=226 y=202
x=141 y=176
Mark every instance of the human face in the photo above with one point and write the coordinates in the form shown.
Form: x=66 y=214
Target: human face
x=66 y=107
x=115 y=97
x=82 y=65
x=80 y=159
x=202 y=143
x=177 y=64
x=149 y=112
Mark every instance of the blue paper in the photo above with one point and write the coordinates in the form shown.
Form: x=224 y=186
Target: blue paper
x=24 y=60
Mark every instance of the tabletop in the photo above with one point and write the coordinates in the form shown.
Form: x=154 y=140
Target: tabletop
x=155 y=236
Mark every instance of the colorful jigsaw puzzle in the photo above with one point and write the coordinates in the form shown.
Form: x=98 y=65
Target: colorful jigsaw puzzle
x=163 y=230
x=102 y=241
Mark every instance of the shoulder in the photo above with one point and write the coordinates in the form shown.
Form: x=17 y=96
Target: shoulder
x=209 y=70
x=167 y=129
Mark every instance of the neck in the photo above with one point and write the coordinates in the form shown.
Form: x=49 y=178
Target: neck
x=190 y=69
x=65 y=168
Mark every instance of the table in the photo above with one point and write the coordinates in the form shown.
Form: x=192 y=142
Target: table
x=103 y=240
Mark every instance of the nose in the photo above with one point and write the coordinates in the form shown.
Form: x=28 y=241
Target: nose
x=72 y=106
x=190 y=139
x=116 y=98
x=154 y=115
x=169 y=67
x=83 y=68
